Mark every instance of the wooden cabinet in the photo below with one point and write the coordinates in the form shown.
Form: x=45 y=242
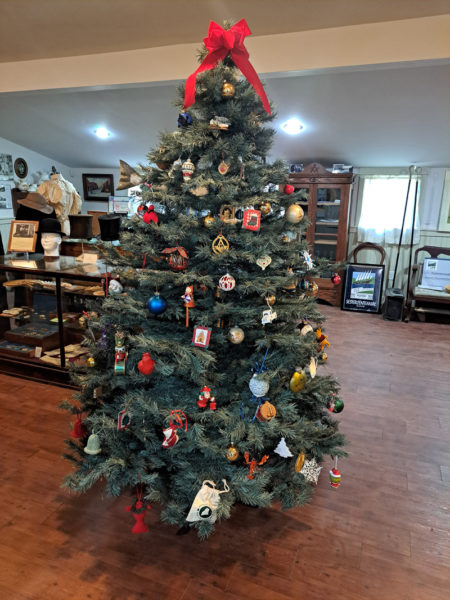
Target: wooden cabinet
x=325 y=201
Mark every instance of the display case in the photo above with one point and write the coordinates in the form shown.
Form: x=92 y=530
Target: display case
x=325 y=202
x=42 y=321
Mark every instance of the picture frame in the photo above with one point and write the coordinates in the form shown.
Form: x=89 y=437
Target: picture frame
x=98 y=186
x=227 y=214
x=6 y=166
x=363 y=288
x=6 y=195
x=201 y=336
x=444 y=215
x=22 y=236
x=21 y=168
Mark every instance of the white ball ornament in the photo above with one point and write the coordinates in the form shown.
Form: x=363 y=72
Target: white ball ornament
x=258 y=386
x=227 y=283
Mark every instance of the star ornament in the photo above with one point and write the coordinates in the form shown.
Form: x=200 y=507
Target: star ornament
x=311 y=470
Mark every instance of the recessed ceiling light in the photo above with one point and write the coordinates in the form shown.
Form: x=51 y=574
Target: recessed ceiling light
x=292 y=126
x=102 y=133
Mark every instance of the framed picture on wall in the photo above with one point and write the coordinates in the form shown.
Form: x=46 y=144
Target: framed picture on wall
x=6 y=166
x=22 y=236
x=97 y=186
x=5 y=195
x=363 y=288
x=444 y=217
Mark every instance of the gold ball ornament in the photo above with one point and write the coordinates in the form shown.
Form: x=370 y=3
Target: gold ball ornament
x=294 y=214
x=90 y=362
x=265 y=208
x=236 y=335
x=208 y=221
x=232 y=453
x=271 y=299
x=300 y=462
x=228 y=90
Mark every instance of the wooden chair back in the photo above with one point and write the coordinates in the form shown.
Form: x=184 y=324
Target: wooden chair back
x=368 y=246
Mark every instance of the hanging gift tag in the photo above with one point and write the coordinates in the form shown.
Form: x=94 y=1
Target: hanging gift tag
x=252 y=219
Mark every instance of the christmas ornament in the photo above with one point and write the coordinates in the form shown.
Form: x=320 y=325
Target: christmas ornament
x=258 y=385
x=290 y=286
x=184 y=119
x=221 y=123
x=313 y=367
x=90 y=362
x=220 y=43
x=208 y=221
x=298 y=380
x=175 y=166
x=93 y=445
x=311 y=470
x=177 y=258
x=252 y=219
x=206 y=502
x=288 y=189
x=266 y=412
x=264 y=261
x=299 y=462
x=324 y=357
x=308 y=260
x=157 y=304
x=286 y=239
x=282 y=449
x=271 y=299
x=322 y=340
x=123 y=420
x=305 y=328
x=188 y=298
x=187 y=168
x=150 y=215
x=268 y=316
x=236 y=335
x=335 y=475
x=205 y=397
x=232 y=453
x=128 y=177
x=138 y=509
x=253 y=464
x=79 y=428
x=223 y=167
x=220 y=244
x=227 y=282
x=336 y=405
x=265 y=208
x=120 y=353
x=228 y=90
x=115 y=287
x=201 y=336
x=314 y=288
x=146 y=365
x=294 y=213
x=336 y=279
x=199 y=191
x=178 y=420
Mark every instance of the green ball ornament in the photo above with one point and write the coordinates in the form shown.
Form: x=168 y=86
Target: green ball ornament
x=336 y=405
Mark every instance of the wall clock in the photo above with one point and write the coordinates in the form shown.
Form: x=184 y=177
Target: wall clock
x=20 y=168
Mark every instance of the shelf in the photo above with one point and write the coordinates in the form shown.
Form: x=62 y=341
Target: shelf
x=326 y=234
x=328 y=223
x=326 y=242
x=328 y=204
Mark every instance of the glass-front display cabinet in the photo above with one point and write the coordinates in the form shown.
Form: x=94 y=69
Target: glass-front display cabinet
x=43 y=314
x=325 y=201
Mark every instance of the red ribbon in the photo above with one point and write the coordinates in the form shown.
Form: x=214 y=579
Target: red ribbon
x=219 y=44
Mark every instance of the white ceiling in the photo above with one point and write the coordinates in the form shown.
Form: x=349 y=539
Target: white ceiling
x=383 y=116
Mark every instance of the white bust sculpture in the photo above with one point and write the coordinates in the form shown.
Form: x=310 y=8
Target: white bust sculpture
x=51 y=243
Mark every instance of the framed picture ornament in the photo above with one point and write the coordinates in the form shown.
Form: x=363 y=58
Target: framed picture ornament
x=201 y=336
x=252 y=219
x=363 y=288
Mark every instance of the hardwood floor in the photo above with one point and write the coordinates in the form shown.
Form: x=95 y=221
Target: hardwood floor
x=383 y=535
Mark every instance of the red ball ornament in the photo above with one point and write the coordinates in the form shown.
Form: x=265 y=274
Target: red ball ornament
x=146 y=364
x=336 y=279
x=288 y=189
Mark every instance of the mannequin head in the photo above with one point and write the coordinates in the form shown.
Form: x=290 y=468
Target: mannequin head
x=51 y=243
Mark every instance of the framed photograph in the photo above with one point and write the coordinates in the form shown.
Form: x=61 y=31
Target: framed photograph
x=6 y=166
x=201 y=336
x=5 y=195
x=22 y=236
x=97 y=186
x=20 y=168
x=444 y=218
x=363 y=288
x=227 y=214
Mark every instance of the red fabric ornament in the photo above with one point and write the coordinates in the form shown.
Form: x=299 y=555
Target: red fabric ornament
x=150 y=216
x=288 y=189
x=146 y=364
x=138 y=509
x=79 y=428
x=219 y=44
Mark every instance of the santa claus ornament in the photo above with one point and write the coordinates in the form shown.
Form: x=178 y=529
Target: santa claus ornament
x=177 y=421
x=205 y=397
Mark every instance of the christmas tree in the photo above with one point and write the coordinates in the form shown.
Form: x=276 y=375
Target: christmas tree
x=203 y=360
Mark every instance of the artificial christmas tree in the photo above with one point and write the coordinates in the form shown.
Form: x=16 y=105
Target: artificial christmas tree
x=241 y=337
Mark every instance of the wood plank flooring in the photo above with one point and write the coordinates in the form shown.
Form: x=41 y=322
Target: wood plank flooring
x=383 y=535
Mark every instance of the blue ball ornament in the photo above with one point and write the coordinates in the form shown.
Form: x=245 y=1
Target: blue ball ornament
x=157 y=304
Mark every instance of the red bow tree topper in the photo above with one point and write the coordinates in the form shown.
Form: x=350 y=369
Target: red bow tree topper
x=219 y=43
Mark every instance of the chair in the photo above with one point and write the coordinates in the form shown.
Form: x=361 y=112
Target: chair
x=368 y=246
x=422 y=301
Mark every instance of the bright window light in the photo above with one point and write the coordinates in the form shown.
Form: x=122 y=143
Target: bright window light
x=102 y=133
x=292 y=126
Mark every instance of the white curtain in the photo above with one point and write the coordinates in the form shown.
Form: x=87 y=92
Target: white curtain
x=382 y=206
